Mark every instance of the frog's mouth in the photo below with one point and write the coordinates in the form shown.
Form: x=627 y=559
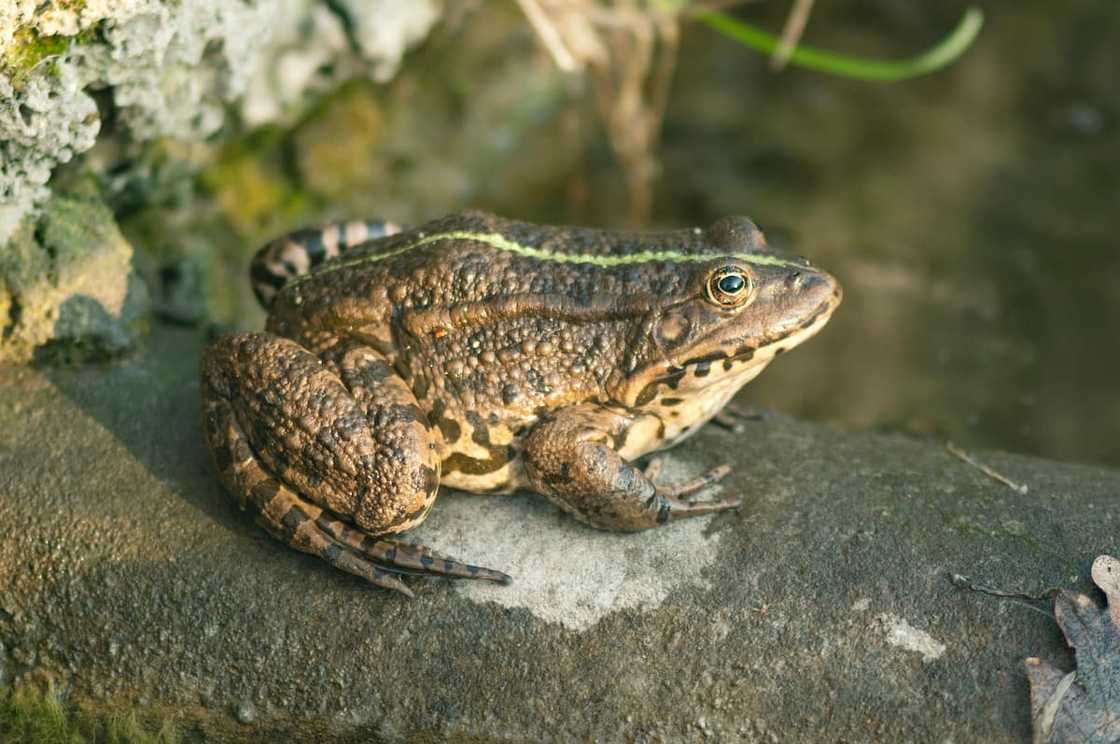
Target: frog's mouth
x=799 y=333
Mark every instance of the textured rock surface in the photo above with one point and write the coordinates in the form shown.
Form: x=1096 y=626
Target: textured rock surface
x=66 y=279
x=820 y=611
x=170 y=68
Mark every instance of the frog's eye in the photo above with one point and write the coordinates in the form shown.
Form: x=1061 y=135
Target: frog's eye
x=730 y=286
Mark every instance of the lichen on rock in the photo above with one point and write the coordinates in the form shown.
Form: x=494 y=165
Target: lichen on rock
x=159 y=71
x=172 y=70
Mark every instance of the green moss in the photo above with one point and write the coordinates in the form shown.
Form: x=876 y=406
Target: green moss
x=28 y=48
x=336 y=146
x=29 y=715
x=250 y=184
x=272 y=179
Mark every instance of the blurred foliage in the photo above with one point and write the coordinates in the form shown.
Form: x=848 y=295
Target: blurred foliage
x=939 y=56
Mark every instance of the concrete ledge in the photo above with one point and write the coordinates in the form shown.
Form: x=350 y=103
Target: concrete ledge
x=821 y=610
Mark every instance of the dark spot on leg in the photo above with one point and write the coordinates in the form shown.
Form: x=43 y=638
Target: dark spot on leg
x=398 y=413
x=376 y=370
x=450 y=429
x=565 y=474
x=460 y=463
x=647 y=394
x=291 y=521
x=621 y=437
x=311 y=243
x=261 y=273
x=264 y=492
x=223 y=459
x=673 y=379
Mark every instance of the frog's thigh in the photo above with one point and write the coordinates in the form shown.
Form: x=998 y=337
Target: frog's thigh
x=570 y=459
x=345 y=434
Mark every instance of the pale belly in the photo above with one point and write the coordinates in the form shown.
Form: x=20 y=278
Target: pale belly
x=486 y=458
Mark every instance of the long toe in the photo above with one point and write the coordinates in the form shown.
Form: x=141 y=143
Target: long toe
x=685 y=509
x=715 y=475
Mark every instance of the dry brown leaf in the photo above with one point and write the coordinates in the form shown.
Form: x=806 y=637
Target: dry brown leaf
x=1082 y=706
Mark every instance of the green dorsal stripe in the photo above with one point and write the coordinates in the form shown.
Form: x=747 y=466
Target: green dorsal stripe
x=500 y=242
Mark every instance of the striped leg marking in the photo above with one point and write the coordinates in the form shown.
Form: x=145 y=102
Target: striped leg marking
x=272 y=477
x=297 y=253
x=310 y=529
x=699 y=483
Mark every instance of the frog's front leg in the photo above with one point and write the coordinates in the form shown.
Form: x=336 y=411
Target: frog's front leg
x=310 y=444
x=570 y=458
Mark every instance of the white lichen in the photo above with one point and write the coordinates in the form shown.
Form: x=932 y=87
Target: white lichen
x=171 y=69
x=902 y=634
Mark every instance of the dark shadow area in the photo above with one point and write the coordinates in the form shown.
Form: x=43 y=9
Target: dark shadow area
x=148 y=400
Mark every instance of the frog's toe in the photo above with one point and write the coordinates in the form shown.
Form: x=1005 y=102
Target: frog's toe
x=406 y=558
x=715 y=475
x=670 y=505
x=398 y=556
x=302 y=526
x=728 y=422
x=674 y=509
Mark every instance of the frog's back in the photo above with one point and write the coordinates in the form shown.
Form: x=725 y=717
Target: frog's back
x=364 y=249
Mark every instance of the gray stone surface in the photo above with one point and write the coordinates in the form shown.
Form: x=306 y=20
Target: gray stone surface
x=822 y=610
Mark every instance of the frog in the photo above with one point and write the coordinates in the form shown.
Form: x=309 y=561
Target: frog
x=489 y=355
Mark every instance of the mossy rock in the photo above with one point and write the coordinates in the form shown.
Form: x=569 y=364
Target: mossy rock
x=29 y=715
x=68 y=291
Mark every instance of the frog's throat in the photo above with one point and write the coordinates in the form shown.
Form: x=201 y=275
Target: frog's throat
x=502 y=243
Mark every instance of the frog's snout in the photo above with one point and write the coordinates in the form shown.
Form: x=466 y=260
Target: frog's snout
x=819 y=287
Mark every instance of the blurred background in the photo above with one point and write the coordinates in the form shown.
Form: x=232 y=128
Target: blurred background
x=970 y=214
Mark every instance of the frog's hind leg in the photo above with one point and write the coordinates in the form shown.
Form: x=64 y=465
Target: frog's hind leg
x=307 y=443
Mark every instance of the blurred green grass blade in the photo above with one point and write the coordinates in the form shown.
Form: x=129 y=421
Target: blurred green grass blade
x=947 y=50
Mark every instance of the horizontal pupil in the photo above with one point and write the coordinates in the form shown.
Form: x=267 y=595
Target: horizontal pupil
x=731 y=284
